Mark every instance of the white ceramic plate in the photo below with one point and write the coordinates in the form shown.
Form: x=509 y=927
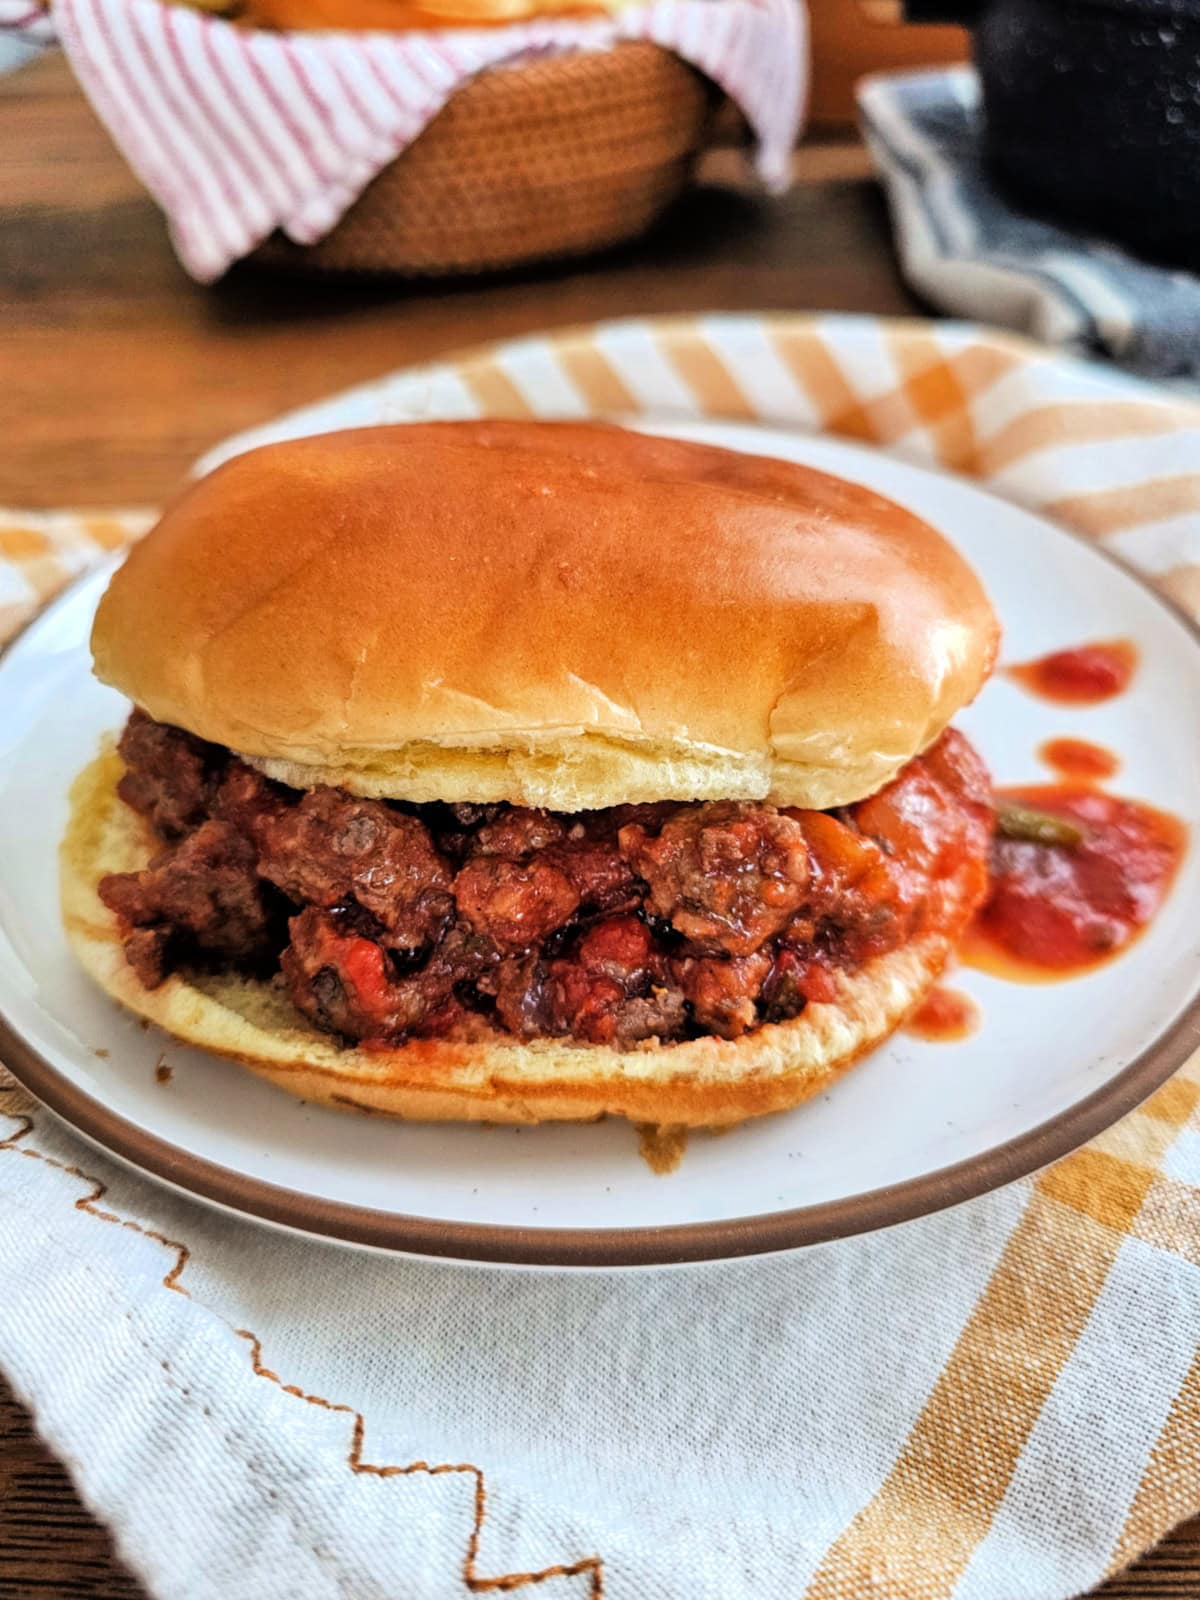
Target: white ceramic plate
x=916 y=1127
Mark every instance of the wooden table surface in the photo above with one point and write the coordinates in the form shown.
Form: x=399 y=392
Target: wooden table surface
x=117 y=372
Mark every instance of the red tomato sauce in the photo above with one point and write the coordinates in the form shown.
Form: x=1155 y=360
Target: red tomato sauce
x=1079 y=758
x=1056 y=910
x=944 y=1016
x=1081 y=677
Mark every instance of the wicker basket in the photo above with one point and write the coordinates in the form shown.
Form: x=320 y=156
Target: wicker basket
x=553 y=158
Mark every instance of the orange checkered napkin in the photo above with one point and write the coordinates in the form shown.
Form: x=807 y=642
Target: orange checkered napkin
x=1001 y=1402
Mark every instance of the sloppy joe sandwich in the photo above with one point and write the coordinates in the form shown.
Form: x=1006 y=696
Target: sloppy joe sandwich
x=515 y=771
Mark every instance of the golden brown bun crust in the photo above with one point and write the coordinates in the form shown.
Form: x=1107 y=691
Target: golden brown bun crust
x=554 y=614
x=704 y=1082
x=401 y=14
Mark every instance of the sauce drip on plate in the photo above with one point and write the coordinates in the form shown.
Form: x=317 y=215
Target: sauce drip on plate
x=661 y=1145
x=945 y=1015
x=1085 y=879
x=1079 y=758
x=1081 y=677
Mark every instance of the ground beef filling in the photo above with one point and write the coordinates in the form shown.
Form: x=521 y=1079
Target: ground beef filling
x=388 y=921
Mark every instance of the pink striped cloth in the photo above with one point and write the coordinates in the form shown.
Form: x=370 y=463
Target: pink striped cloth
x=27 y=21
x=237 y=133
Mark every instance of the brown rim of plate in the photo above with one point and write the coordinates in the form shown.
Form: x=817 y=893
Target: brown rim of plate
x=607 y=1247
x=623 y=1247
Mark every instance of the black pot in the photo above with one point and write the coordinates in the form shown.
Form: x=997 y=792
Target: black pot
x=1093 y=113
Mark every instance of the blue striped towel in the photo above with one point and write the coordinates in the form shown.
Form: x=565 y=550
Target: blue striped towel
x=964 y=247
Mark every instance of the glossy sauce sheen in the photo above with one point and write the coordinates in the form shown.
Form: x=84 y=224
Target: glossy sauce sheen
x=1055 y=911
x=1080 y=759
x=1081 y=677
x=944 y=1016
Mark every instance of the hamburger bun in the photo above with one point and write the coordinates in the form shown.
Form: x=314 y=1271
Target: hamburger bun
x=706 y=1082
x=560 y=615
x=398 y=15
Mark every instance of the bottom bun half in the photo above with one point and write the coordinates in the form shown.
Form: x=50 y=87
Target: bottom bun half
x=706 y=1082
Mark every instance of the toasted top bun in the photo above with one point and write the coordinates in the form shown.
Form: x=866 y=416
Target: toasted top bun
x=552 y=614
